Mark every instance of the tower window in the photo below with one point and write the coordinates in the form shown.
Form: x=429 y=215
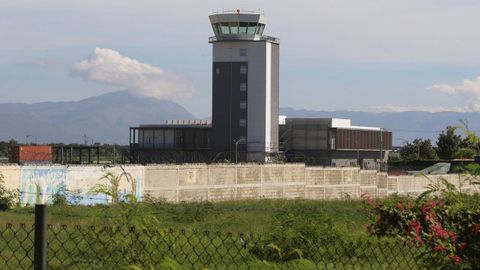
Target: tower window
x=224 y=28
x=243 y=52
x=243 y=28
x=233 y=28
x=260 y=29
x=243 y=87
x=252 y=28
x=243 y=69
x=243 y=122
x=243 y=105
x=217 y=71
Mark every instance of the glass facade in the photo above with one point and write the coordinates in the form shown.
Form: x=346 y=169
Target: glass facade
x=235 y=28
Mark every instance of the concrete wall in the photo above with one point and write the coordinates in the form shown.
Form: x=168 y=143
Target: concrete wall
x=11 y=175
x=30 y=180
x=229 y=182
x=201 y=182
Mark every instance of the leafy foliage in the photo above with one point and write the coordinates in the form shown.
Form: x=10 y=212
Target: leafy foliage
x=471 y=140
x=418 y=149
x=293 y=238
x=111 y=188
x=444 y=220
x=8 y=198
x=64 y=196
x=464 y=153
x=448 y=143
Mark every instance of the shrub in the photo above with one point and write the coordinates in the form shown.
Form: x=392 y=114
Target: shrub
x=64 y=196
x=111 y=187
x=8 y=198
x=444 y=221
x=295 y=237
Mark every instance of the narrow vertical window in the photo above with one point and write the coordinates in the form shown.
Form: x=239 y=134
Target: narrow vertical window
x=217 y=71
x=243 y=87
x=243 y=122
x=243 y=105
x=243 y=69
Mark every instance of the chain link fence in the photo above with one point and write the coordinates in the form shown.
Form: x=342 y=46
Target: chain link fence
x=90 y=247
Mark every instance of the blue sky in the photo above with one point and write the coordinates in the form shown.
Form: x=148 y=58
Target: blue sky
x=366 y=55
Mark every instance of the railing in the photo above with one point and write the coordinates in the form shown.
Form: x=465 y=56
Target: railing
x=243 y=37
x=238 y=11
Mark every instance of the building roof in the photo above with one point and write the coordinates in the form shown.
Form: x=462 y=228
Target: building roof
x=189 y=123
x=338 y=123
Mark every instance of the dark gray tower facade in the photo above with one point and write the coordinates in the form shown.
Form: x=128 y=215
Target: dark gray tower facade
x=245 y=82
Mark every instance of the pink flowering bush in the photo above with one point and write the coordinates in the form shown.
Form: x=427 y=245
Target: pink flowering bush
x=443 y=222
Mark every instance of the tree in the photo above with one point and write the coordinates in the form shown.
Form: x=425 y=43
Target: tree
x=471 y=141
x=448 y=143
x=417 y=150
x=464 y=153
x=4 y=147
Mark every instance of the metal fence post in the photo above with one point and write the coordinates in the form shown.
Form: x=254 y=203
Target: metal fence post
x=40 y=243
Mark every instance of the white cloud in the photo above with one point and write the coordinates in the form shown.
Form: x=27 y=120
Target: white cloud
x=468 y=90
x=110 y=67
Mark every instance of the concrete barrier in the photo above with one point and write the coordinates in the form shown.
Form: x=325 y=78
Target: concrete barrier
x=11 y=175
x=220 y=182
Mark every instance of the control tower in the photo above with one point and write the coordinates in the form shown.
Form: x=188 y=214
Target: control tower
x=245 y=82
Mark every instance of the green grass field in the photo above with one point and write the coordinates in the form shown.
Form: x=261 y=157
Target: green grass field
x=262 y=234
x=241 y=216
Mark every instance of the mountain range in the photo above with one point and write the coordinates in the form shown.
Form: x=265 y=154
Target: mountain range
x=107 y=118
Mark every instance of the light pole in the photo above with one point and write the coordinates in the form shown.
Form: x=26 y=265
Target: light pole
x=114 y=153
x=33 y=139
x=240 y=140
x=381 y=149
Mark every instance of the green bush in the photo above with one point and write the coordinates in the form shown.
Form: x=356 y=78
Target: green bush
x=8 y=198
x=64 y=196
x=295 y=237
x=443 y=220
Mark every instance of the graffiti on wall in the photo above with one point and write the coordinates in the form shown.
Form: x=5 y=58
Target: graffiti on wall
x=84 y=179
x=39 y=182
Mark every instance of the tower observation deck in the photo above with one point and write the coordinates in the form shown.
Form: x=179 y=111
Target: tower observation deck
x=239 y=25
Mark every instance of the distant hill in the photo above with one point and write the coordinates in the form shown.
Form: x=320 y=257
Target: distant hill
x=105 y=118
x=404 y=125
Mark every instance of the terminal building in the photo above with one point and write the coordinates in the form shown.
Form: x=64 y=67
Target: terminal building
x=334 y=142
x=245 y=111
